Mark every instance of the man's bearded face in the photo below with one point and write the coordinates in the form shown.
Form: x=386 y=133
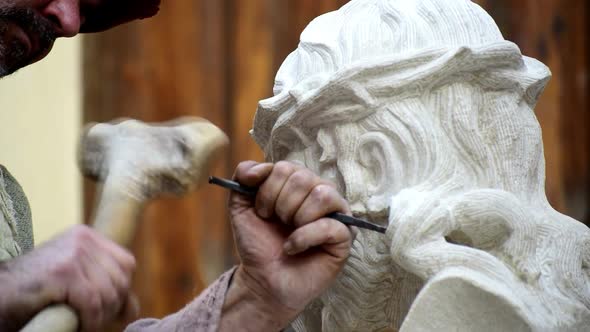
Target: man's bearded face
x=25 y=37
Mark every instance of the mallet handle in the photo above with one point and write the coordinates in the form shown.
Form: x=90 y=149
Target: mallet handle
x=55 y=318
x=117 y=212
x=116 y=218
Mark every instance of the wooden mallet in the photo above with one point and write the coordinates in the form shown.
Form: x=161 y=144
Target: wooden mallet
x=136 y=162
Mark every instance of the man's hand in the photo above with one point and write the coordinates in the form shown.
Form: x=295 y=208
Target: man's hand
x=290 y=254
x=81 y=268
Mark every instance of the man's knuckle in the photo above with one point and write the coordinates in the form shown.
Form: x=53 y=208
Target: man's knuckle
x=297 y=239
x=76 y=254
x=126 y=261
x=342 y=232
x=82 y=238
x=343 y=204
x=64 y=270
x=67 y=267
x=120 y=288
x=298 y=178
x=125 y=284
x=110 y=295
x=323 y=194
x=243 y=166
x=330 y=238
x=301 y=179
x=130 y=265
x=325 y=226
x=82 y=232
x=283 y=168
x=88 y=299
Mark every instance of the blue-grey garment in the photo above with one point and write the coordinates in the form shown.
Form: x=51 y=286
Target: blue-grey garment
x=16 y=230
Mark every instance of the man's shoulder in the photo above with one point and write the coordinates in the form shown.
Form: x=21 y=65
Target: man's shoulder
x=16 y=205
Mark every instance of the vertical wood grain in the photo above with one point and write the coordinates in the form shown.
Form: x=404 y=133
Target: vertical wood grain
x=261 y=35
x=251 y=72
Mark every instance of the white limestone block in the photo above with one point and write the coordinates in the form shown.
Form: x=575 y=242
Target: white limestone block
x=422 y=114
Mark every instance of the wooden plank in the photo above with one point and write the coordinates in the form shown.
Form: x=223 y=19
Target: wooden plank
x=157 y=70
x=262 y=34
x=251 y=50
x=568 y=28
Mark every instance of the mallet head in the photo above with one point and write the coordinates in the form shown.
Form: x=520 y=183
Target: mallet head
x=146 y=160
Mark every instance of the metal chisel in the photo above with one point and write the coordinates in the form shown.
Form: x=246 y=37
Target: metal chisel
x=345 y=219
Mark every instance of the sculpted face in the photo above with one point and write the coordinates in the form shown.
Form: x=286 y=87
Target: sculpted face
x=358 y=158
x=28 y=28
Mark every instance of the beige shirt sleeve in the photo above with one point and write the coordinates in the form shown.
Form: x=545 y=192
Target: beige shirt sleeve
x=202 y=315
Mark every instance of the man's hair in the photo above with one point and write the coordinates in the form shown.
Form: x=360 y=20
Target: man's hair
x=114 y=12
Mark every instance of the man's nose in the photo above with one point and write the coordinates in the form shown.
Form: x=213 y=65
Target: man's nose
x=65 y=14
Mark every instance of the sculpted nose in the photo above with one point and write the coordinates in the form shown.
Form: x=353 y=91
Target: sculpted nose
x=66 y=16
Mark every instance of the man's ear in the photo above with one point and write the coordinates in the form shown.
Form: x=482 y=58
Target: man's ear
x=381 y=164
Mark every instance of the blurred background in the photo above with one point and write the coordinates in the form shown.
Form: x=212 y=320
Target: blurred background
x=40 y=117
x=216 y=59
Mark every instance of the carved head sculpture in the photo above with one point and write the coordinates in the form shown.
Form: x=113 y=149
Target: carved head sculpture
x=423 y=115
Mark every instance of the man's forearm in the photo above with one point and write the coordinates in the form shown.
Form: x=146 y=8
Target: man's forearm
x=20 y=296
x=6 y=297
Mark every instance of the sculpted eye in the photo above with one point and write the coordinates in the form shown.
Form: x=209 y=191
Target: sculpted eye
x=327 y=146
x=327 y=156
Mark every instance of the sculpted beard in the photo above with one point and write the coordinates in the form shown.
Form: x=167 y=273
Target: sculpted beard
x=13 y=51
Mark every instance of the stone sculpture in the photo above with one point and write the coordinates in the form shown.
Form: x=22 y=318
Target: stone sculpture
x=423 y=115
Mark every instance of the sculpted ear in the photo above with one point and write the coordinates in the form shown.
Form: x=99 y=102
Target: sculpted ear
x=381 y=167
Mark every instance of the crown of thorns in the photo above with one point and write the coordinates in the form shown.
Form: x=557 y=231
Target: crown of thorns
x=355 y=92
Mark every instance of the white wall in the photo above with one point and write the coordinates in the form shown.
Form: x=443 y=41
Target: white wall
x=39 y=128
